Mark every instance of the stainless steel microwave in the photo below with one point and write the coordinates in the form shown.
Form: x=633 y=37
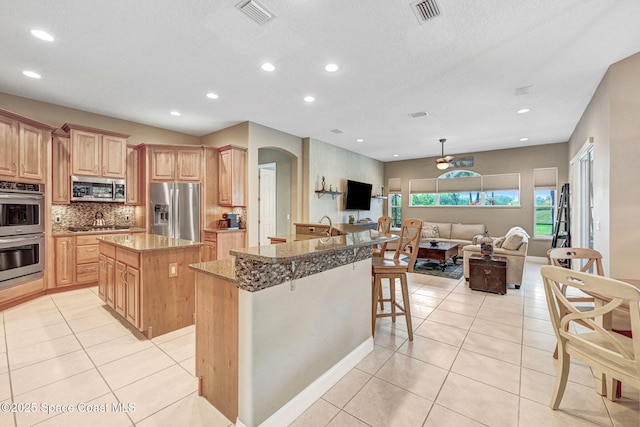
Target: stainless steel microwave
x=89 y=189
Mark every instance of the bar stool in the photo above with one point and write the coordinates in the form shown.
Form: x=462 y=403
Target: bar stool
x=396 y=268
x=384 y=227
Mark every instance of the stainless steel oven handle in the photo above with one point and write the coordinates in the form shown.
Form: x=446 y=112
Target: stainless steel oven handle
x=21 y=239
x=21 y=196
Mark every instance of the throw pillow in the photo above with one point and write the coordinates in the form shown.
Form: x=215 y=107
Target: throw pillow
x=497 y=243
x=512 y=242
x=430 y=232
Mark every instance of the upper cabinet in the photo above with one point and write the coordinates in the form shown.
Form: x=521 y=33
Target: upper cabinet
x=61 y=186
x=133 y=176
x=22 y=147
x=169 y=163
x=97 y=152
x=232 y=176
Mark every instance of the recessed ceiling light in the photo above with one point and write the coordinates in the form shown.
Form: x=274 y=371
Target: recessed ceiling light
x=332 y=68
x=523 y=110
x=268 y=67
x=359 y=140
x=418 y=114
x=31 y=74
x=524 y=139
x=175 y=113
x=396 y=155
x=42 y=35
x=212 y=95
x=309 y=99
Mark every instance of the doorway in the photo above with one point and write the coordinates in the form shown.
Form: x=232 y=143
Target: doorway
x=267 y=203
x=582 y=195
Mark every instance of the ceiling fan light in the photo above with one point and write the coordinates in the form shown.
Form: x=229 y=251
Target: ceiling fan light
x=443 y=165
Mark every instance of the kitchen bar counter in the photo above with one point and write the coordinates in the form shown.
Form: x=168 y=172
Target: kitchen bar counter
x=293 y=319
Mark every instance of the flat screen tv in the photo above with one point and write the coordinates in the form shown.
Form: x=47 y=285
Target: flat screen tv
x=358 y=196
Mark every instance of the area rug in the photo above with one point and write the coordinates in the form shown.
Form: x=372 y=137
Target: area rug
x=432 y=268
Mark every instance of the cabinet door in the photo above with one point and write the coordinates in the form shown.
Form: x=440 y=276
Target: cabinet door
x=232 y=171
x=64 y=261
x=31 y=153
x=133 y=296
x=227 y=241
x=133 y=186
x=189 y=164
x=111 y=285
x=61 y=183
x=121 y=288
x=102 y=277
x=8 y=147
x=85 y=153
x=114 y=154
x=162 y=164
x=208 y=251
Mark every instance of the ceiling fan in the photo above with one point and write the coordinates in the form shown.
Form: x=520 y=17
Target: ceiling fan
x=448 y=162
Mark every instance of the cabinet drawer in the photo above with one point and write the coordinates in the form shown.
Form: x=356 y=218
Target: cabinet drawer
x=210 y=237
x=108 y=250
x=87 y=240
x=128 y=257
x=87 y=272
x=87 y=253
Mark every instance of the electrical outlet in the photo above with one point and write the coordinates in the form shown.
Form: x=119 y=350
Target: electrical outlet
x=173 y=269
x=58 y=219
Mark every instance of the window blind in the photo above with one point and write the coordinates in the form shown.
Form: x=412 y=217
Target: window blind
x=422 y=186
x=507 y=181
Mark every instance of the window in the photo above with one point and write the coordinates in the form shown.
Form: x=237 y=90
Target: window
x=544 y=187
x=395 y=202
x=466 y=188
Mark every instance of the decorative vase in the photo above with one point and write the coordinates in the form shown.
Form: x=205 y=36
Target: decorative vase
x=323 y=183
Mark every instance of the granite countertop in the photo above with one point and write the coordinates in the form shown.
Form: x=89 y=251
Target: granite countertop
x=223 y=269
x=316 y=245
x=148 y=242
x=103 y=231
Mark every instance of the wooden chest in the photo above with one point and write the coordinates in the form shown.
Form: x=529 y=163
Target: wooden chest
x=488 y=274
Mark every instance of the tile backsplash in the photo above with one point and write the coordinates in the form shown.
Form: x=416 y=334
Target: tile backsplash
x=83 y=213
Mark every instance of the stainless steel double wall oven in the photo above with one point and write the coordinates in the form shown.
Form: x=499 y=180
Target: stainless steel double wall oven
x=21 y=232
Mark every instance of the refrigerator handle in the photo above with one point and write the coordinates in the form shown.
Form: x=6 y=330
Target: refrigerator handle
x=175 y=222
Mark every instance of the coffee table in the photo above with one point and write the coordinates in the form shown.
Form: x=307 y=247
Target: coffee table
x=441 y=252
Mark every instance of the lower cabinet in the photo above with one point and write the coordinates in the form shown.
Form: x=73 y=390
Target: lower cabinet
x=218 y=243
x=119 y=282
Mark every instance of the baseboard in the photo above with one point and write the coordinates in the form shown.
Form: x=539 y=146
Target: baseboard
x=303 y=400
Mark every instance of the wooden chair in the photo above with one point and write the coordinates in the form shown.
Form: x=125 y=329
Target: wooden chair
x=614 y=355
x=384 y=227
x=396 y=268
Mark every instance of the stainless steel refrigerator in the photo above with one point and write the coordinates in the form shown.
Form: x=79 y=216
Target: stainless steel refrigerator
x=175 y=210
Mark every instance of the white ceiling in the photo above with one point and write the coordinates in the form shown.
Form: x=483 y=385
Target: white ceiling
x=139 y=60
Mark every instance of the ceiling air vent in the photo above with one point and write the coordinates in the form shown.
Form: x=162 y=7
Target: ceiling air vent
x=256 y=11
x=426 y=10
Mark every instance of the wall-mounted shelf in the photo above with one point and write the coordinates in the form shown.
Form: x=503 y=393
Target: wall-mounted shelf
x=379 y=197
x=334 y=194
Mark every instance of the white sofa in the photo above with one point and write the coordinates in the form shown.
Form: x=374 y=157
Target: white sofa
x=513 y=246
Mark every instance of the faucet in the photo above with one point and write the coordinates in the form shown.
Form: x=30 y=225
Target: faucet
x=330 y=224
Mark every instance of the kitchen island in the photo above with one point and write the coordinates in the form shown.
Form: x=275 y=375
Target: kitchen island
x=145 y=278
x=279 y=326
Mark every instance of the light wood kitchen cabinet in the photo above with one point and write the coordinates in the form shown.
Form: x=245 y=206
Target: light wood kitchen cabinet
x=23 y=147
x=102 y=277
x=86 y=248
x=132 y=291
x=64 y=261
x=232 y=176
x=175 y=163
x=218 y=243
x=111 y=282
x=61 y=184
x=121 y=288
x=96 y=152
x=133 y=176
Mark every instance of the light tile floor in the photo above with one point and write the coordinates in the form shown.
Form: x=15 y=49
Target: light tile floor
x=476 y=359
